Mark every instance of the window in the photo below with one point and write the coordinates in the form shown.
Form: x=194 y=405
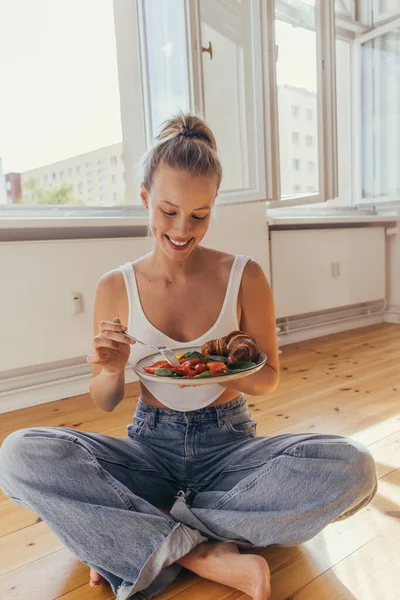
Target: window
x=115 y=197
x=156 y=68
x=297 y=81
x=45 y=179
x=295 y=111
x=310 y=167
x=309 y=140
x=296 y=189
x=66 y=128
x=165 y=48
x=380 y=116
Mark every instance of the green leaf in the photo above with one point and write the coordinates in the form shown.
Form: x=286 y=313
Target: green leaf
x=219 y=358
x=204 y=375
x=163 y=373
x=240 y=365
x=194 y=354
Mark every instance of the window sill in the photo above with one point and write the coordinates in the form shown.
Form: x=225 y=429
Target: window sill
x=23 y=229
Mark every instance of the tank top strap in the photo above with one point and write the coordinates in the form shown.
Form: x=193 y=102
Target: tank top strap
x=235 y=281
x=131 y=288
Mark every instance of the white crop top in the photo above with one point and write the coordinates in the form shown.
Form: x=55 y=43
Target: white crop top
x=139 y=326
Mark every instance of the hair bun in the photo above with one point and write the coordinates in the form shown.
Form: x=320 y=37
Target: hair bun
x=188 y=126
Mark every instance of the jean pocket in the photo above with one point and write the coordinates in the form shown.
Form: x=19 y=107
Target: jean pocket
x=240 y=426
x=138 y=427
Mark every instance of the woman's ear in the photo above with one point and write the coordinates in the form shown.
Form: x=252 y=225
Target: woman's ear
x=144 y=194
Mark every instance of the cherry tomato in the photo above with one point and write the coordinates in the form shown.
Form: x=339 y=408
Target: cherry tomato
x=217 y=368
x=200 y=368
x=191 y=362
x=161 y=364
x=151 y=369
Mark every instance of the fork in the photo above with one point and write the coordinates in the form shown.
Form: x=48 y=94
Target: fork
x=164 y=350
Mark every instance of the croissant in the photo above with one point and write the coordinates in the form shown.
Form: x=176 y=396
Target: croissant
x=237 y=345
x=241 y=346
x=215 y=347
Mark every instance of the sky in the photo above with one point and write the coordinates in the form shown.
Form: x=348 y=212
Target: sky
x=59 y=78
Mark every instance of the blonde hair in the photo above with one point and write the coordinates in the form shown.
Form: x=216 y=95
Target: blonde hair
x=185 y=143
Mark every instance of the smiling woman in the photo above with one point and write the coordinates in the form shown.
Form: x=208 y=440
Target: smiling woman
x=184 y=158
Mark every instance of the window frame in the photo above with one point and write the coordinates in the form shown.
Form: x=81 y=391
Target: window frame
x=358 y=200
x=326 y=111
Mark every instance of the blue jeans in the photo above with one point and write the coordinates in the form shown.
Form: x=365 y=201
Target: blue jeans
x=102 y=496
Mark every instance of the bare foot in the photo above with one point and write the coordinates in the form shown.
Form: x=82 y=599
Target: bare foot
x=222 y=562
x=95 y=578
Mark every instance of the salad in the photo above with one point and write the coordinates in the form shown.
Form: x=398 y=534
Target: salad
x=196 y=364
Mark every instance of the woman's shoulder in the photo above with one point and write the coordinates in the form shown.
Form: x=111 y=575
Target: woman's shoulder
x=217 y=257
x=111 y=284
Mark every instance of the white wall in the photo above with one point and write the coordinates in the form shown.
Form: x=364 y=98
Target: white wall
x=36 y=325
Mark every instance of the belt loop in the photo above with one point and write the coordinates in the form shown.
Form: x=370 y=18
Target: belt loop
x=220 y=416
x=153 y=418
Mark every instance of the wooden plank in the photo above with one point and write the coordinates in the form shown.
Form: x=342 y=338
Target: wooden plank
x=370 y=573
x=27 y=545
x=48 y=577
x=13 y=518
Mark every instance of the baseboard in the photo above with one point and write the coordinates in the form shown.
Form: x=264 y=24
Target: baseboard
x=392 y=314
x=33 y=389
x=322 y=330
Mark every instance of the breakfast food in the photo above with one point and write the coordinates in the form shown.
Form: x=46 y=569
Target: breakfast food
x=235 y=352
x=237 y=346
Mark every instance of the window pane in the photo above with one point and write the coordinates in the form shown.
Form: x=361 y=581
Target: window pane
x=297 y=95
x=61 y=106
x=381 y=116
x=167 y=69
x=227 y=26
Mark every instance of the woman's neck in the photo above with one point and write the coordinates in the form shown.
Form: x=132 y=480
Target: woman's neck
x=174 y=270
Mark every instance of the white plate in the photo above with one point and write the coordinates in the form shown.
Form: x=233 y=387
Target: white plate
x=189 y=381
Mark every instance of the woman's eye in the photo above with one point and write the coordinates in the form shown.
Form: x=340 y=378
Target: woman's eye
x=199 y=218
x=168 y=213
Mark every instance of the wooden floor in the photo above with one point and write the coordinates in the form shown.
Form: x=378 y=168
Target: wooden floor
x=347 y=384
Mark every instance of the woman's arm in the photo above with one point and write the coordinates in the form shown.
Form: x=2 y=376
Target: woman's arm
x=257 y=310
x=110 y=349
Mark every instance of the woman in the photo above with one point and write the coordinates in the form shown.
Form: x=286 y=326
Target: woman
x=192 y=482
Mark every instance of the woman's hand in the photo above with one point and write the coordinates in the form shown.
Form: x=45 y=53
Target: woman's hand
x=111 y=349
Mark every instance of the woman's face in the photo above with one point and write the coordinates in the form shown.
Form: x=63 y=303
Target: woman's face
x=180 y=209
